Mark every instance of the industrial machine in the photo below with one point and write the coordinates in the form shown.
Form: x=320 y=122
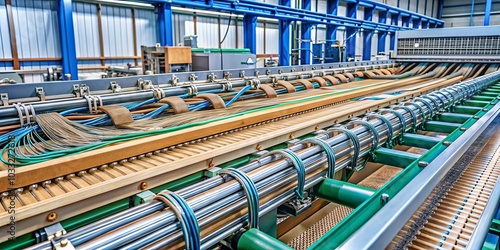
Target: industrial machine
x=351 y=155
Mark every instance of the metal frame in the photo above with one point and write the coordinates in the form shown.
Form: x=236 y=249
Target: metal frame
x=376 y=233
x=67 y=38
x=16 y=91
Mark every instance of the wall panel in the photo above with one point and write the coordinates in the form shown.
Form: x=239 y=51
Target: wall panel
x=117 y=31
x=208 y=34
x=230 y=40
x=86 y=30
x=5 y=48
x=37 y=31
x=260 y=38
x=146 y=28
x=272 y=38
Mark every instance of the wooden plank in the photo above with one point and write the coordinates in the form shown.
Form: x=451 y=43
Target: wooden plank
x=70 y=164
x=41 y=59
x=134 y=37
x=101 y=40
x=12 y=30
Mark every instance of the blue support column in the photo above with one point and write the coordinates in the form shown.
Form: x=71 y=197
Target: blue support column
x=305 y=34
x=418 y=3
x=368 y=35
x=416 y=23
x=394 y=21
x=331 y=30
x=406 y=21
x=440 y=9
x=285 y=39
x=471 y=14
x=284 y=43
x=67 y=38
x=487 y=12
x=165 y=24
x=425 y=24
x=352 y=10
x=382 y=35
x=425 y=8
x=250 y=33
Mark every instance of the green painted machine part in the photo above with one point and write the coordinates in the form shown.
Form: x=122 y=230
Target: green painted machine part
x=395 y=158
x=254 y=239
x=466 y=109
x=420 y=141
x=454 y=117
x=443 y=127
x=343 y=193
x=335 y=237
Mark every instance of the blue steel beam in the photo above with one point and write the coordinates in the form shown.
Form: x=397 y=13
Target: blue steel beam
x=352 y=10
x=382 y=36
x=392 y=9
x=406 y=21
x=305 y=35
x=416 y=23
x=440 y=9
x=331 y=30
x=250 y=32
x=285 y=38
x=394 y=21
x=487 y=12
x=165 y=24
x=368 y=35
x=283 y=12
x=67 y=38
x=425 y=24
x=278 y=12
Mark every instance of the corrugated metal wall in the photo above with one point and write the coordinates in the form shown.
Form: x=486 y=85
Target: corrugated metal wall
x=117 y=34
x=146 y=28
x=86 y=30
x=37 y=35
x=457 y=14
x=230 y=37
x=5 y=48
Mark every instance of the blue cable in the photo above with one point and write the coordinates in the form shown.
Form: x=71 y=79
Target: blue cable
x=355 y=143
x=251 y=192
x=330 y=154
x=299 y=167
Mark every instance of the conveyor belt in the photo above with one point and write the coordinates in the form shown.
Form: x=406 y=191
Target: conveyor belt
x=460 y=199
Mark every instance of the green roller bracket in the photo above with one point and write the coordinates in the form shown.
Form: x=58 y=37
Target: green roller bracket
x=420 y=141
x=475 y=103
x=343 y=193
x=495 y=226
x=461 y=109
x=488 y=93
x=254 y=239
x=482 y=98
x=493 y=90
x=395 y=158
x=454 y=118
x=443 y=127
x=267 y=223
